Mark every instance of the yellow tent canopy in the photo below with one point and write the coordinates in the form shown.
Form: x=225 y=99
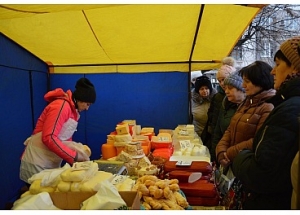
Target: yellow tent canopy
x=127 y=38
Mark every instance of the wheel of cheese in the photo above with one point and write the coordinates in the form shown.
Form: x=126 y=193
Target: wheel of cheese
x=108 y=151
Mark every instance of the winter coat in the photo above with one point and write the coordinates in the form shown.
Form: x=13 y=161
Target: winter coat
x=295 y=182
x=248 y=118
x=199 y=110
x=212 y=114
x=265 y=170
x=226 y=112
x=214 y=109
x=46 y=148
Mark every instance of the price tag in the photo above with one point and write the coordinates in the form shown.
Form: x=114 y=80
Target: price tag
x=163 y=139
x=184 y=144
x=184 y=132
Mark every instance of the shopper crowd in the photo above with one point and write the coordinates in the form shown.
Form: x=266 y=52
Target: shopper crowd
x=251 y=126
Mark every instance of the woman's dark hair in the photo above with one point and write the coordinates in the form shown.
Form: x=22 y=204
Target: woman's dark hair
x=279 y=55
x=259 y=73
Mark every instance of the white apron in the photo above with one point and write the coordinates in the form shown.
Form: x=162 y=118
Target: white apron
x=38 y=157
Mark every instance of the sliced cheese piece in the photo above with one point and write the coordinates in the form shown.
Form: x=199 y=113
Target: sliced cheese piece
x=91 y=185
x=123 y=138
x=36 y=188
x=64 y=186
x=122 y=129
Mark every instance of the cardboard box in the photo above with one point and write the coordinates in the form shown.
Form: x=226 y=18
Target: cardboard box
x=73 y=200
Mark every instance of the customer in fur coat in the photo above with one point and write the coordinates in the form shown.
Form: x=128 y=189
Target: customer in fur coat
x=201 y=98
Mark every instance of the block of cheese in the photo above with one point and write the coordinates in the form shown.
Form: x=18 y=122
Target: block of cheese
x=200 y=188
x=124 y=156
x=123 y=138
x=197 y=166
x=36 y=187
x=144 y=162
x=64 y=186
x=164 y=137
x=122 y=129
x=147 y=130
x=169 y=131
x=129 y=121
x=149 y=170
x=198 y=150
x=203 y=201
x=75 y=186
x=91 y=184
x=185 y=176
x=71 y=174
x=111 y=137
x=162 y=140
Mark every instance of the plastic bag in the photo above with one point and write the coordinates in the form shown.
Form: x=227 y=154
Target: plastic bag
x=41 y=201
x=224 y=179
x=107 y=198
x=79 y=148
x=48 y=177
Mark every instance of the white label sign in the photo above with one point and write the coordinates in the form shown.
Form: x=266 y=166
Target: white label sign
x=163 y=138
x=184 y=144
x=184 y=132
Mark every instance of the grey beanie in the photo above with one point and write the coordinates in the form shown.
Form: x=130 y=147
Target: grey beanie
x=235 y=80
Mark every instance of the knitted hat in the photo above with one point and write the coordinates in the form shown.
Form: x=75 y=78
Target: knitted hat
x=84 y=91
x=291 y=50
x=225 y=70
x=235 y=80
x=202 y=81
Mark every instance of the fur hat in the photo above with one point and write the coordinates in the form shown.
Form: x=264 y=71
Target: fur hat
x=202 y=81
x=225 y=70
x=230 y=61
x=291 y=50
x=235 y=80
x=84 y=91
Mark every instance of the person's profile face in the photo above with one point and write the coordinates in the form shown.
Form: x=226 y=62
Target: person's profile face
x=83 y=105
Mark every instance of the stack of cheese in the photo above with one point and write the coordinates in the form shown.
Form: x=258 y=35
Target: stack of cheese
x=191 y=151
x=147 y=131
x=162 y=140
x=81 y=177
x=116 y=141
x=184 y=132
x=137 y=166
x=162 y=145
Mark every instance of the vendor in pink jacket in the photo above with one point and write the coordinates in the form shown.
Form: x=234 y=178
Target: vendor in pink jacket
x=51 y=141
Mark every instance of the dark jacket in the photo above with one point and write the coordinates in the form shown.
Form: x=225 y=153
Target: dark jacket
x=212 y=113
x=227 y=110
x=265 y=170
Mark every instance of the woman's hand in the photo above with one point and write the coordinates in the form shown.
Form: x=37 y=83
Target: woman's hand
x=225 y=161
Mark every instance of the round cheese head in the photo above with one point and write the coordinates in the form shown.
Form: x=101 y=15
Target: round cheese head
x=87 y=150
